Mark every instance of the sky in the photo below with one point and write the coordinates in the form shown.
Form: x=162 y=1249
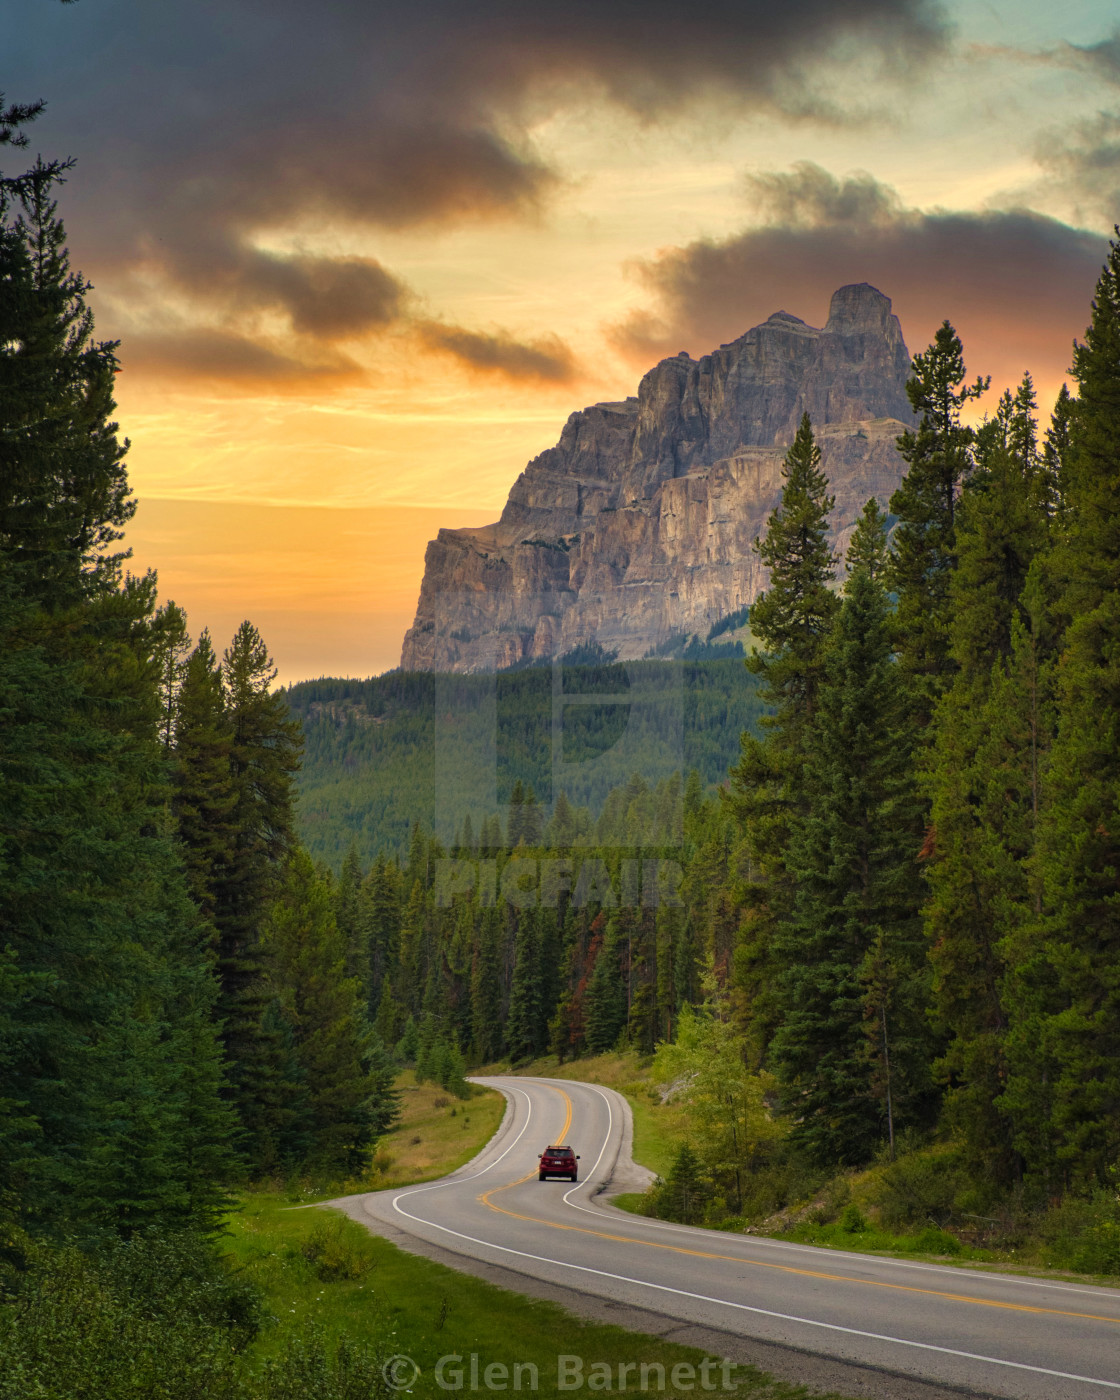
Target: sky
x=365 y=259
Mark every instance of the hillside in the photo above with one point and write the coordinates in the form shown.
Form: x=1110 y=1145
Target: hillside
x=369 y=769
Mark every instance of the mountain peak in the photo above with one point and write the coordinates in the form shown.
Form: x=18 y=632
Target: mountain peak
x=638 y=526
x=858 y=307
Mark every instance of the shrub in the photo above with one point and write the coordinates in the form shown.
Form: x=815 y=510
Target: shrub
x=686 y=1194
x=337 y=1251
x=310 y=1370
x=154 y=1315
x=1084 y=1235
x=919 y=1187
x=852 y=1220
x=935 y=1241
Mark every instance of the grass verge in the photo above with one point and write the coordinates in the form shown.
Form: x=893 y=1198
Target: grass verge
x=319 y=1268
x=436 y=1133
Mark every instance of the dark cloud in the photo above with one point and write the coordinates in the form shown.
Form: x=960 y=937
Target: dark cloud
x=201 y=129
x=225 y=357
x=234 y=361
x=809 y=197
x=325 y=298
x=547 y=359
x=1017 y=285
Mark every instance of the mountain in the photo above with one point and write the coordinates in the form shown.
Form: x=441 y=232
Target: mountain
x=637 y=527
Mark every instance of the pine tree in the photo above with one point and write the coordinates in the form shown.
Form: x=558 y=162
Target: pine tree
x=203 y=797
x=263 y=757
x=385 y=1098
x=525 y=1019
x=412 y=970
x=408 y=1047
x=685 y=1193
x=486 y=989
x=173 y=647
x=349 y=916
x=605 y=1002
x=868 y=550
x=939 y=459
x=1001 y=527
x=111 y=1065
x=1080 y=835
x=532 y=820
x=791 y=620
x=982 y=775
x=64 y=494
x=380 y=902
x=307 y=975
x=1056 y=451
x=794 y=614
x=562 y=829
x=850 y=950
x=515 y=821
x=417 y=868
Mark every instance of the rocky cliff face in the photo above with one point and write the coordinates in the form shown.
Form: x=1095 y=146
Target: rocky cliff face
x=639 y=524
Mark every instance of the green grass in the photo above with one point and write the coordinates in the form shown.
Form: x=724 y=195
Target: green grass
x=318 y=1267
x=929 y=1242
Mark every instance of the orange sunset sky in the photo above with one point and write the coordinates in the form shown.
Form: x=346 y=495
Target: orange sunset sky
x=364 y=260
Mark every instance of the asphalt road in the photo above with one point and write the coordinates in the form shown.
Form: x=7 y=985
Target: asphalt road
x=993 y=1334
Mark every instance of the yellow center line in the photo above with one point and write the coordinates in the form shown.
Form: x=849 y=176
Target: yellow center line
x=760 y=1264
x=485 y=1197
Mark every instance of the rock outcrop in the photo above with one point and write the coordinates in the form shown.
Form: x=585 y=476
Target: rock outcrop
x=638 y=525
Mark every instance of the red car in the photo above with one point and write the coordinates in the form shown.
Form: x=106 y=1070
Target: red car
x=558 y=1161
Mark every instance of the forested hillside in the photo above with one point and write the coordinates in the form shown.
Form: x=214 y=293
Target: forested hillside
x=369 y=761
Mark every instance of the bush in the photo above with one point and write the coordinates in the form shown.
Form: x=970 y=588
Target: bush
x=919 y=1187
x=686 y=1194
x=935 y=1241
x=852 y=1221
x=337 y=1251
x=310 y=1370
x=154 y=1315
x=1084 y=1235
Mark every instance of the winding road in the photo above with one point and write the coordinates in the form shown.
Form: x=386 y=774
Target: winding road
x=978 y=1332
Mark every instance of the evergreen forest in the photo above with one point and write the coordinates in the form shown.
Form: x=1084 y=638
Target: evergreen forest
x=369 y=771
x=179 y=1010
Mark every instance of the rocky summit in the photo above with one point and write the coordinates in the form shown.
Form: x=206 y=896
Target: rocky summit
x=639 y=525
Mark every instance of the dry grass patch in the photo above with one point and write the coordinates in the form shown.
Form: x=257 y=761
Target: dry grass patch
x=436 y=1133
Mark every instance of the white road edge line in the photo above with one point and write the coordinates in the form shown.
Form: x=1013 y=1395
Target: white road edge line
x=763 y=1242
x=705 y=1298
x=458 y=1180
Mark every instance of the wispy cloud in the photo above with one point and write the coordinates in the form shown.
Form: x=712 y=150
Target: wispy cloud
x=546 y=359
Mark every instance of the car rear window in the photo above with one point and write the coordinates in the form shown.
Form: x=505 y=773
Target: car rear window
x=561 y=1152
